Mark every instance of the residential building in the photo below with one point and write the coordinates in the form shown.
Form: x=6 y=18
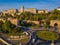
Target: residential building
x=13 y=21
x=58 y=8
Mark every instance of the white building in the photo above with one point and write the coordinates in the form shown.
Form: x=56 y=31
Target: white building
x=58 y=8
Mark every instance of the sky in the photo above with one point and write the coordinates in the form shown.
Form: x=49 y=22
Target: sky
x=39 y=4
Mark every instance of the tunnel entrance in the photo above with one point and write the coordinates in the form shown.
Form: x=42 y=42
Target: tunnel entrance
x=56 y=25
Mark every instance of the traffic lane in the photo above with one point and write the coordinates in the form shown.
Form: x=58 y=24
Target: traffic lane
x=1 y=43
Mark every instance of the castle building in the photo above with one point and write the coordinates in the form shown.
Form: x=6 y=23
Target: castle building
x=21 y=10
x=32 y=10
x=42 y=11
x=5 y=12
x=10 y=11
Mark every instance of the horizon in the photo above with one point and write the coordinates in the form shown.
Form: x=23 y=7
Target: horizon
x=38 y=4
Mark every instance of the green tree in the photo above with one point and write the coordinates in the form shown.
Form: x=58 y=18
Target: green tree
x=55 y=14
x=58 y=16
x=52 y=17
x=1 y=24
x=8 y=26
x=47 y=24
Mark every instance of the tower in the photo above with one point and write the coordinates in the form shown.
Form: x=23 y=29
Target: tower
x=22 y=9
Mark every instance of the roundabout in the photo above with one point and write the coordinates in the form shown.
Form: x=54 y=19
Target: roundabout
x=47 y=35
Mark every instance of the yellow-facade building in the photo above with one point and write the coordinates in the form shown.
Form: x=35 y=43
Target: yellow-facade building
x=22 y=10
x=2 y=20
x=13 y=21
x=32 y=10
x=10 y=11
x=42 y=11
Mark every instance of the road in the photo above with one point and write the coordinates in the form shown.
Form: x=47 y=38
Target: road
x=1 y=43
x=5 y=39
x=32 y=34
x=33 y=37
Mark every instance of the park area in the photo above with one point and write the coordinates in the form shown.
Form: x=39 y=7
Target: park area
x=47 y=35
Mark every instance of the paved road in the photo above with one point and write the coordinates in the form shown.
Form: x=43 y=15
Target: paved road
x=32 y=34
x=33 y=39
x=1 y=43
x=5 y=39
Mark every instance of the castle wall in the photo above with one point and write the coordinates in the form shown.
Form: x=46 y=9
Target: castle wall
x=52 y=22
x=32 y=10
x=11 y=11
x=42 y=11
